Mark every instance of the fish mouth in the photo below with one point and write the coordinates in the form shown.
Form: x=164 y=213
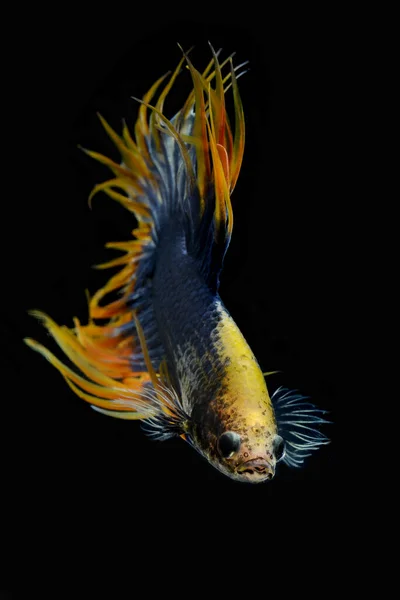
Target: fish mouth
x=256 y=469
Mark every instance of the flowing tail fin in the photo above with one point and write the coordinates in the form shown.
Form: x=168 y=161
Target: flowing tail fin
x=186 y=166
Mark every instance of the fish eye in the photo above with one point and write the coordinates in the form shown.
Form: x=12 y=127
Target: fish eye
x=279 y=448
x=229 y=443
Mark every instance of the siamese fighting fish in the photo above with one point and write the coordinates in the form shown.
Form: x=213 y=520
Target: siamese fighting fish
x=159 y=344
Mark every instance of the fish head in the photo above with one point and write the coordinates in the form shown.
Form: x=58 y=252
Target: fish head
x=244 y=449
x=249 y=454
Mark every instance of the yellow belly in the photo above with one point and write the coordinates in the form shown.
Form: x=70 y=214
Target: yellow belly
x=245 y=392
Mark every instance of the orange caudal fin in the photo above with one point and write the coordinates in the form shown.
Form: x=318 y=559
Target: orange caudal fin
x=186 y=165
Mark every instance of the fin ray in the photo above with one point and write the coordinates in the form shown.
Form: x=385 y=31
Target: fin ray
x=296 y=419
x=188 y=165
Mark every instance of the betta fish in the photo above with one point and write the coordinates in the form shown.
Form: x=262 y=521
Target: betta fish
x=159 y=345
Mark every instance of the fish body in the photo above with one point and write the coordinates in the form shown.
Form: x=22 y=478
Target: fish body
x=166 y=351
x=211 y=364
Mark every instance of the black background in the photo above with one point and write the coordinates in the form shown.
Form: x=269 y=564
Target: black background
x=283 y=280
